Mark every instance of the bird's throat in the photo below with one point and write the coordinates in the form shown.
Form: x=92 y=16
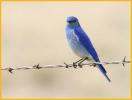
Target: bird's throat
x=72 y=25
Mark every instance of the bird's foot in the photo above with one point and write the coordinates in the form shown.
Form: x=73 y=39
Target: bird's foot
x=80 y=65
x=75 y=65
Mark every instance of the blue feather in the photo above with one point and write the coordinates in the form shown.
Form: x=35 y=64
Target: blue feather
x=85 y=41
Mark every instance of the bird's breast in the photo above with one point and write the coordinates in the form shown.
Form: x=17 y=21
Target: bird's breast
x=76 y=45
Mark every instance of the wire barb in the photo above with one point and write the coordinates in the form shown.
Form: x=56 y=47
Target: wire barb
x=37 y=66
x=10 y=70
x=123 y=61
x=65 y=65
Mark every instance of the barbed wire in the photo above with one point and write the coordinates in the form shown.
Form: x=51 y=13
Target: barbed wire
x=65 y=65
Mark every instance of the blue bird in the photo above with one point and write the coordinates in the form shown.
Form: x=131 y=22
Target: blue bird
x=81 y=44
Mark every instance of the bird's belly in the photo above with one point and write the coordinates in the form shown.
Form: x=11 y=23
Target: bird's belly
x=77 y=47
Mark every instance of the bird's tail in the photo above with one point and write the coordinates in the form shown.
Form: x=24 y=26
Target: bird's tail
x=101 y=68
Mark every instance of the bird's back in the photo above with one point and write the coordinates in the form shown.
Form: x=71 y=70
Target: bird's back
x=85 y=41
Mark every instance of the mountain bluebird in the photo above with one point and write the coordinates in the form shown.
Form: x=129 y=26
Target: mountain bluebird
x=81 y=44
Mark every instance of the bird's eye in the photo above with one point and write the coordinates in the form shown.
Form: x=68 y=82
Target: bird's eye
x=72 y=21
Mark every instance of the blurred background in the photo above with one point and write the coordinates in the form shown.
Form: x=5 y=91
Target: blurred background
x=34 y=32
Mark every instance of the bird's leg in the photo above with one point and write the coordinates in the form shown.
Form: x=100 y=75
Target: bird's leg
x=79 y=64
x=75 y=63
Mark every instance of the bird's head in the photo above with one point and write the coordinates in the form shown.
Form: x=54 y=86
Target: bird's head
x=72 y=21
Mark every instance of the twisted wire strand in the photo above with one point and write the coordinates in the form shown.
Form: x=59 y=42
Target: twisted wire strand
x=65 y=65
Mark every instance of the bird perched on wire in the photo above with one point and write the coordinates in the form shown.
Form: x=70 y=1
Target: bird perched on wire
x=81 y=44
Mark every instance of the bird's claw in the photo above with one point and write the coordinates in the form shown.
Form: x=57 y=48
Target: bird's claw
x=77 y=65
x=74 y=65
x=80 y=65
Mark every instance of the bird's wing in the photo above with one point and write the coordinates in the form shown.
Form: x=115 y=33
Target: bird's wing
x=85 y=41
